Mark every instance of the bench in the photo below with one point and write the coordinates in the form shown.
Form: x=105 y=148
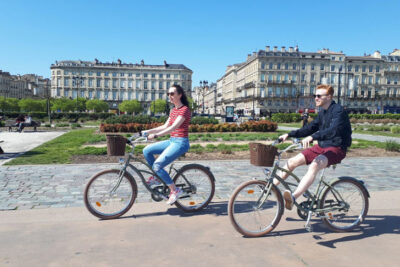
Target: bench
x=12 y=123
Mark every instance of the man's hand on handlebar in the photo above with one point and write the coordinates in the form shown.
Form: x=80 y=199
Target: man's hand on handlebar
x=283 y=137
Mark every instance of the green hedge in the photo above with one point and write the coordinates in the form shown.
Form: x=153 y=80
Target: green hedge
x=203 y=120
x=286 y=117
x=62 y=115
x=375 y=116
x=143 y=119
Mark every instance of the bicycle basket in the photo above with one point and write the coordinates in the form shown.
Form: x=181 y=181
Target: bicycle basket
x=262 y=155
x=115 y=145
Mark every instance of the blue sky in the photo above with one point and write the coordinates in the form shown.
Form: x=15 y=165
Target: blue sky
x=204 y=35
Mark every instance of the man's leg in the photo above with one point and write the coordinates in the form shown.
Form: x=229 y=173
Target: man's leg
x=319 y=163
x=290 y=165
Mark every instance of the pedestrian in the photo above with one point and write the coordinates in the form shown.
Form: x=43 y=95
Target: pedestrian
x=332 y=129
x=305 y=116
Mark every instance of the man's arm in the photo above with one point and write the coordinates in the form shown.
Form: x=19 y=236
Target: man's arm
x=307 y=130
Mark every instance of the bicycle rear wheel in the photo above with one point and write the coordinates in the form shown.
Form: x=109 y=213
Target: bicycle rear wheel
x=350 y=200
x=251 y=212
x=198 y=185
x=105 y=199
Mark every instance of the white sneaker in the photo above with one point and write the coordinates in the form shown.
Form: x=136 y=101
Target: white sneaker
x=173 y=196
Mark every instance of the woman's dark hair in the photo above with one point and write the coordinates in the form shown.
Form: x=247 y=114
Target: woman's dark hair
x=180 y=91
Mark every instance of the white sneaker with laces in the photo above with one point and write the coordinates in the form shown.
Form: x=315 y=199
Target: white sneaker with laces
x=174 y=196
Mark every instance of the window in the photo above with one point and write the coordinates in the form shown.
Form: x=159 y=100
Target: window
x=137 y=75
x=293 y=92
x=82 y=93
x=262 y=65
x=369 y=79
x=303 y=77
x=303 y=66
x=370 y=68
x=363 y=78
x=160 y=75
x=122 y=74
x=168 y=75
x=66 y=92
x=278 y=66
x=98 y=94
x=114 y=83
x=58 y=72
x=312 y=89
x=130 y=74
x=270 y=79
x=129 y=95
x=74 y=94
x=286 y=91
x=302 y=90
x=333 y=58
x=377 y=79
x=153 y=75
x=137 y=84
x=294 y=66
x=114 y=95
x=98 y=73
x=168 y=85
x=65 y=72
x=364 y=68
x=278 y=91
x=349 y=67
x=121 y=95
x=153 y=85
x=377 y=68
x=322 y=67
x=106 y=73
x=122 y=83
x=145 y=84
x=269 y=91
x=153 y=96
x=263 y=77
x=66 y=82
x=294 y=77
x=175 y=76
x=313 y=77
x=160 y=96
x=145 y=96
x=98 y=81
x=130 y=84
x=160 y=85
x=59 y=82
x=286 y=66
x=91 y=82
x=286 y=77
x=58 y=91
x=270 y=66
x=312 y=66
x=333 y=68
x=356 y=69
x=137 y=95
x=278 y=77
x=114 y=74
x=91 y=94
x=262 y=92
x=183 y=76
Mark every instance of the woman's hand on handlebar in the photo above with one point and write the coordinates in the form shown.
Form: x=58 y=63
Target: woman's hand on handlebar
x=151 y=136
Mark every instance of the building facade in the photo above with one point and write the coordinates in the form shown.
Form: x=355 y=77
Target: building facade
x=284 y=80
x=116 y=82
x=15 y=86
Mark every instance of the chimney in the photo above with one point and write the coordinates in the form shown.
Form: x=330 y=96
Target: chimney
x=166 y=64
x=297 y=48
x=275 y=49
x=248 y=56
x=377 y=54
x=119 y=61
x=142 y=62
x=291 y=49
x=267 y=49
x=254 y=53
x=283 y=49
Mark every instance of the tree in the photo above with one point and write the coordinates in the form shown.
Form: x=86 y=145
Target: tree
x=81 y=104
x=130 y=106
x=29 y=105
x=9 y=104
x=158 y=106
x=97 y=105
x=63 y=104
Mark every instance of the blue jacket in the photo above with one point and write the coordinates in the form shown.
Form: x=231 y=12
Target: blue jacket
x=330 y=128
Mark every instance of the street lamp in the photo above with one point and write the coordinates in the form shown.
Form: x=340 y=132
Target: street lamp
x=78 y=80
x=203 y=86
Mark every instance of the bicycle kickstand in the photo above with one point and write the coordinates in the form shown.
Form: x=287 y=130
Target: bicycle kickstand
x=308 y=226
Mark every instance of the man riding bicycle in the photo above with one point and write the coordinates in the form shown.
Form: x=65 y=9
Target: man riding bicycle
x=332 y=129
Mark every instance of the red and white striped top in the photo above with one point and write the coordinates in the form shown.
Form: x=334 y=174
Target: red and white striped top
x=183 y=130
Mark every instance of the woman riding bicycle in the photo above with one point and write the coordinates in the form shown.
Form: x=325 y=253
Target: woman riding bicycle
x=177 y=126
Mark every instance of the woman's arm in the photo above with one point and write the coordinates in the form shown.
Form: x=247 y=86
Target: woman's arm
x=178 y=122
x=157 y=129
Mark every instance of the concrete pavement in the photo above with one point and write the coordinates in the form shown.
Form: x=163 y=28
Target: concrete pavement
x=16 y=144
x=152 y=234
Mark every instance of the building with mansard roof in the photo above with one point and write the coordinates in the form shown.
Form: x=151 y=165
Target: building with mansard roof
x=117 y=81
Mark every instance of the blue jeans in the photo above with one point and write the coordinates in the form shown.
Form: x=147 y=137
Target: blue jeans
x=169 y=150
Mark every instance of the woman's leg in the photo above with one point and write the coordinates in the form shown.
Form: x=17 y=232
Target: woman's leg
x=154 y=149
x=171 y=153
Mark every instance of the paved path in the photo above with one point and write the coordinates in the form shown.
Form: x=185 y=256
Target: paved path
x=15 y=144
x=368 y=137
x=26 y=187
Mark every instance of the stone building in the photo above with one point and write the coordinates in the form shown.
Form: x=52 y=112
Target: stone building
x=14 y=86
x=284 y=80
x=117 y=81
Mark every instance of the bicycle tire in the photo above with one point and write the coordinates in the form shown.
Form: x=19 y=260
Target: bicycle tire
x=244 y=215
x=103 y=206
x=198 y=184
x=343 y=220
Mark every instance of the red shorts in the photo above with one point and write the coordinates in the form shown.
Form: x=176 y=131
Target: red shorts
x=332 y=153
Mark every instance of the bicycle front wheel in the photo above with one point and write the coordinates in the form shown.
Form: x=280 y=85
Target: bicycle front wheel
x=198 y=185
x=253 y=213
x=105 y=198
x=348 y=200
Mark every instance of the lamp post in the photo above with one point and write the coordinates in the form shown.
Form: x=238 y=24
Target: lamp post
x=203 y=86
x=77 y=80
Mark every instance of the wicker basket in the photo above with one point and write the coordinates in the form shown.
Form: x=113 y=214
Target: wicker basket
x=262 y=155
x=115 y=145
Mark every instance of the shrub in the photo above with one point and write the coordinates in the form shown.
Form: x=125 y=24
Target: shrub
x=395 y=129
x=203 y=120
x=392 y=146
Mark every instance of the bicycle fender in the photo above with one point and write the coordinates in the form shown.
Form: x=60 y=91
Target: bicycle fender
x=198 y=165
x=351 y=178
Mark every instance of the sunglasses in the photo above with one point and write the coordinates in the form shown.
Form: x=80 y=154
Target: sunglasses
x=170 y=94
x=319 y=96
